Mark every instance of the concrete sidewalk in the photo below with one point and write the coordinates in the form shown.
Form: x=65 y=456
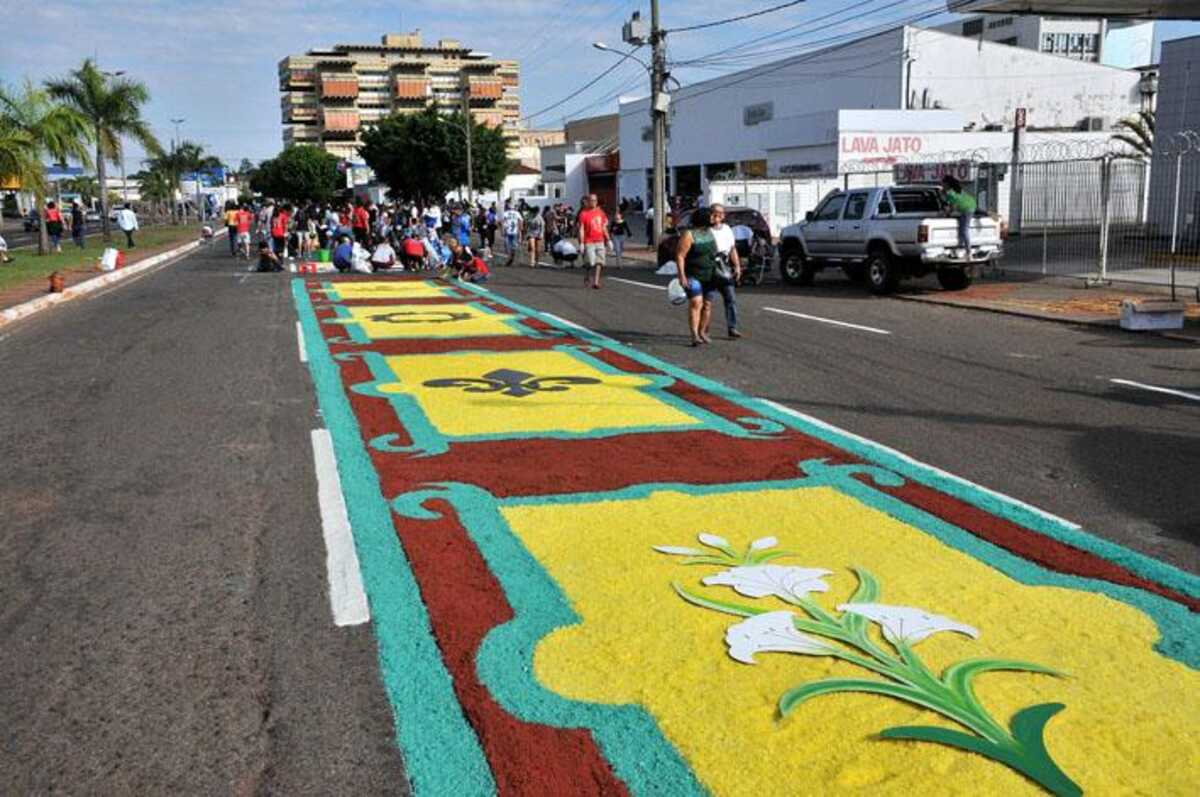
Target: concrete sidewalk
x=1050 y=301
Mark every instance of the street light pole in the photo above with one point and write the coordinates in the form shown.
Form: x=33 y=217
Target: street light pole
x=466 y=96
x=658 y=119
x=175 y=168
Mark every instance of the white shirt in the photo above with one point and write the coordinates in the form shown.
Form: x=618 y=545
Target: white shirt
x=723 y=236
x=127 y=220
x=563 y=248
x=384 y=253
x=512 y=222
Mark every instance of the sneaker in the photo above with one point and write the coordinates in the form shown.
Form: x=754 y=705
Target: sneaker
x=734 y=334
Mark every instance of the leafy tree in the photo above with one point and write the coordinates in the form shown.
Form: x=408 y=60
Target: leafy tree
x=86 y=186
x=1137 y=132
x=157 y=186
x=189 y=157
x=113 y=106
x=423 y=156
x=298 y=174
x=33 y=127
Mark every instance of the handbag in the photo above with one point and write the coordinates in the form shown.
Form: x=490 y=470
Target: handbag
x=723 y=271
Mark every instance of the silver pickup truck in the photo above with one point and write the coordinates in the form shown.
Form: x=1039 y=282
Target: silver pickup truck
x=885 y=234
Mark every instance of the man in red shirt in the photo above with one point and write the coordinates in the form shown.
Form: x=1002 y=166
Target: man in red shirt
x=244 y=219
x=594 y=239
x=361 y=222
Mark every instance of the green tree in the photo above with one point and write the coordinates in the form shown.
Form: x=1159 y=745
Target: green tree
x=34 y=127
x=157 y=186
x=86 y=186
x=423 y=156
x=1137 y=132
x=113 y=106
x=298 y=174
x=189 y=157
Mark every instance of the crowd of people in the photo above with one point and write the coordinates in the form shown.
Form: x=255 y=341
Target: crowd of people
x=460 y=241
x=363 y=235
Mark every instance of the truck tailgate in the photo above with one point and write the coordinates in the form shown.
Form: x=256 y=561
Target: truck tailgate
x=944 y=232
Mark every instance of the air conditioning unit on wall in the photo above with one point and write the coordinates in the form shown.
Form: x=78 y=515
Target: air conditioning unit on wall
x=1092 y=124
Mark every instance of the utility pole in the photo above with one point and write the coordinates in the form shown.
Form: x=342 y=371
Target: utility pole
x=658 y=118
x=466 y=93
x=175 y=167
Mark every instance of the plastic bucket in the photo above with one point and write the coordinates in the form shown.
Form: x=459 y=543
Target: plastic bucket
x=323 y=255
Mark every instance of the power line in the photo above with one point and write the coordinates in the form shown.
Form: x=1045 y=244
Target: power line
x=577 y=92
x=738 y=18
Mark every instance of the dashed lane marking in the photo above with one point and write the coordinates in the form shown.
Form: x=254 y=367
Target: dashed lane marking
x=832 y=321
x=347 y=597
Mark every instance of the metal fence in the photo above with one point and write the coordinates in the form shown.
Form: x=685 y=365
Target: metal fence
x=1110 y=218
x=1091 y=210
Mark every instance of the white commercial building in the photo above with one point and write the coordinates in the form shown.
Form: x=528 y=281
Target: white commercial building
x=1175 y=182
x=908 y=94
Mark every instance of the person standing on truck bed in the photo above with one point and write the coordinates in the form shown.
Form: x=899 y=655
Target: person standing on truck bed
x=961 y=205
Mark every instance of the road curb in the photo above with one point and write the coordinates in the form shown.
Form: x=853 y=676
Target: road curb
x=1114 y=324
x=33 y=306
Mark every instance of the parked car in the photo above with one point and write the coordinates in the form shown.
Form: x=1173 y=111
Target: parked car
x=31 y=221
x=734 y=216
x=885 y=235
x=92 y=216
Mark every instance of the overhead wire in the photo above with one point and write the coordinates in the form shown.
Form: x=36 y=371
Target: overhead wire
x=739 y=18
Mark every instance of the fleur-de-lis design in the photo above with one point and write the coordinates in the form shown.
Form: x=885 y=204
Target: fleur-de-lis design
x=419 y=317
x=517 y=384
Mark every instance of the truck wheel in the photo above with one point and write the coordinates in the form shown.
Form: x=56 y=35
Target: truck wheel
x=796 y=268
x=881 y=272
x=953 y=279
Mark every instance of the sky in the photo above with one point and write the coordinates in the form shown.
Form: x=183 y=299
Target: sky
x=216 y=66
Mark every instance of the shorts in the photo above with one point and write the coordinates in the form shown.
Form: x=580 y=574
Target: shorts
x=243 y=237
x=708 y=290
x=594 y=254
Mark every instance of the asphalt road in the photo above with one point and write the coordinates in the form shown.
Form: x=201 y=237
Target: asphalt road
x=1021 y=406
x=164 y=616
x=164 y=613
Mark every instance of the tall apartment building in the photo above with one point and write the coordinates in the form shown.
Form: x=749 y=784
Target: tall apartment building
x=329 y=95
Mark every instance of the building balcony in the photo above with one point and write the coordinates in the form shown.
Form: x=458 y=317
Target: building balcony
x=339 y=123
x=338 y=86
x=485 y=88
x=412 y=88
x=300 y=114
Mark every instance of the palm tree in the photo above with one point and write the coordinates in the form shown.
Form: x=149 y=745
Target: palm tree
x=113 y=106
x=1137 y=132
x=157 y=185
x=189 y=157
x=33 y=127
x=86 y=186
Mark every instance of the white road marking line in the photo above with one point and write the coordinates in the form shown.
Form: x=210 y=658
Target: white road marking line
x=639 y=284
x=300 y=343
x=1156 y=389
x=826 y=320
x=900 y=455
x=567 y=323
x=346 y=594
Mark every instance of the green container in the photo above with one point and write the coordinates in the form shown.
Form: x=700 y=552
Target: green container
x=322 y=255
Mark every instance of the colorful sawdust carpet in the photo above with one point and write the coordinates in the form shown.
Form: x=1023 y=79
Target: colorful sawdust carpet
x=592 y=572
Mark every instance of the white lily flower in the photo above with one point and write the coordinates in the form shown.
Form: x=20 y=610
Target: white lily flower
x=906 y=624
x=763 y=543
x=773 y=632
x=713 y=540
x=759 y=581
x=679 y=550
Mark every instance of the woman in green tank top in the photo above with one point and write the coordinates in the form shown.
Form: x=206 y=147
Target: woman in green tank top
x=696 y=259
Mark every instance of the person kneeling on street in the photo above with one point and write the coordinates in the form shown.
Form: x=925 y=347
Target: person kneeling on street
x=267 y=260
x=468 y=266
x=343 y=254
x=384 y=257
